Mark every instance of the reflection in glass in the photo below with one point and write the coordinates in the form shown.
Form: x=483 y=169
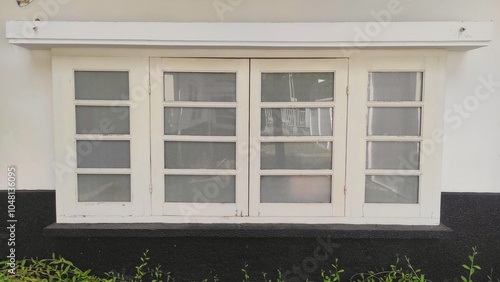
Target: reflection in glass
x=200 y=121
x=197 y=86
x=297 y=122
x=394 y=121
x=199 y=155
x=295 y=189
x=200 y=188
x=296 y=155
x=391 y=189
x=104 y=188
x=101 y=85
x=102 y=120
x=395 y=86
x=393 y=155
x=297 y=87
x=103 y=154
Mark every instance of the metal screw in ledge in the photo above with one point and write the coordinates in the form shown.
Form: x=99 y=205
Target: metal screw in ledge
x=23 y=3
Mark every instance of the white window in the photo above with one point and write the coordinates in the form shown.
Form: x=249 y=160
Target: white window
x=248 y=140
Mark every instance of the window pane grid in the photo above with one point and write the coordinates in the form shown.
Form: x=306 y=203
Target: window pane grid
x=102 y=127
x=393 y=137
x=296 y=137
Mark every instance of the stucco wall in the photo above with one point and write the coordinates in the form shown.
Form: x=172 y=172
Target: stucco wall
x=471 y=152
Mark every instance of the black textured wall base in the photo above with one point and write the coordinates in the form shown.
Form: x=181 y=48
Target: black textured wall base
x=473 y=217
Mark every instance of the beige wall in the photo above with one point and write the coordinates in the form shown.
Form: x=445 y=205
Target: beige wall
x=471 y=152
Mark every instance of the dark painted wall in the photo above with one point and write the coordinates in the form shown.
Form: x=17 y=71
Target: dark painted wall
x=475 y=219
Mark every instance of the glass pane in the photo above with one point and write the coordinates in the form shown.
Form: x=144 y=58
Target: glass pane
x=208 y=155
x=391 y=189
x=395 y=86
x=296 y=155
x=295 y=189
x=297 y=87
x=393 y=155
x=394 y=121
x=101 y=85
x=297 y=122
x=200 y=188
x=102 y=120
x=200 y=121
x=208 y=87
x=103 y=154
x=104 y=188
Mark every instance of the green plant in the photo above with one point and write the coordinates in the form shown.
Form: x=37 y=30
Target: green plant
x=490 y=277
x=332 y=276
x=472 y=267
x=396 y=273
x=61 y=270
x=279 y=279
x=54 y=269
x=143 y=272
x=245 y=273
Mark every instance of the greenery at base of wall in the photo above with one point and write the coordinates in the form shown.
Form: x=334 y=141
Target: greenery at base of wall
x=59 y=269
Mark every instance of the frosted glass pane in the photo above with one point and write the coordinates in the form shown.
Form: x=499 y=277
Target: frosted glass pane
x=103 y=154
x=200 y=121
x=208 y=87
x=102 y=120
x=296 y=155
x=297 y=87
x=208 y=155
x=297 y=122
x=101 y=85
x=395 y=86
x=391 y=189
x=200 y=188
x=394 y=121
x=104 y=188
x=295 y=189
x=393 y=155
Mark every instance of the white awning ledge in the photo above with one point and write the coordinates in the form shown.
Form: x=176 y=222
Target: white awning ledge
x=449 y=35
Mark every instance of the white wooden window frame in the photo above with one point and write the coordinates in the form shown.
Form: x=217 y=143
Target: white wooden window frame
x=65 y=165
x=432 y=103
x=238 y=66
x=146 y=207
x=339 y=68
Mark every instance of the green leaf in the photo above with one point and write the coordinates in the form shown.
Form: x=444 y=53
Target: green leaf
x=466 y=266
x=464 y=279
